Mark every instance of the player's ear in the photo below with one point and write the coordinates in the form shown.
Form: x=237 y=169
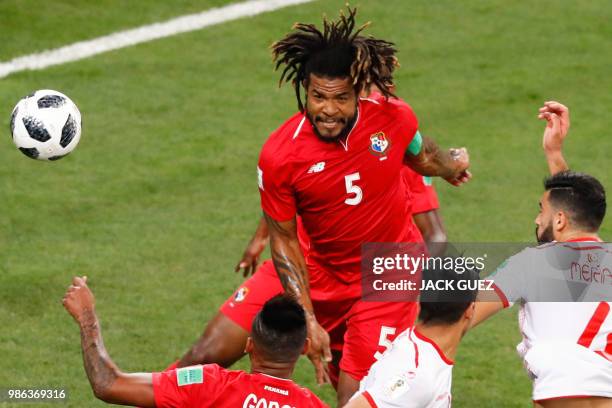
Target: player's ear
x=306 y=346
x=560 y=221
x=248 y=348
x=470 y=311
x=468 y=315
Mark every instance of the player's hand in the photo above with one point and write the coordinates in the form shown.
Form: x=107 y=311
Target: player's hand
x=557 y=120
x=250 y=258
x=319 y=352
x=461 y=161
x=78 y=298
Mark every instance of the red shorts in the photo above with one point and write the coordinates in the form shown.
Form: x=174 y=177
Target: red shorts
x=359 y=329
x=250 y=297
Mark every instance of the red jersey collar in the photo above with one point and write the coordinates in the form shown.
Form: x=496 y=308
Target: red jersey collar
x=345 y=143
x=433 y=343
x=275 y=378
x=585 y=239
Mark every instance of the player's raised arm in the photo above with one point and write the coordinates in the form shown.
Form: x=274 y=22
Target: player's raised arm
x=293 y=274
x=107 y=382
x=425 y=157
x=557 y=119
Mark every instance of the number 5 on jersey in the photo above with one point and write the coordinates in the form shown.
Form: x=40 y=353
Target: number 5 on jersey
x=352 y=189
x=384 y=340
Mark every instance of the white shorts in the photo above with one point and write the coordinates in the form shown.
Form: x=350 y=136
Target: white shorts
x=562 y=370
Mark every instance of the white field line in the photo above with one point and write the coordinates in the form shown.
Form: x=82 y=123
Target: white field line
x=121 y=39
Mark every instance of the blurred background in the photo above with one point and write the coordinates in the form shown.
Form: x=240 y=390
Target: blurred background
x=159 y=199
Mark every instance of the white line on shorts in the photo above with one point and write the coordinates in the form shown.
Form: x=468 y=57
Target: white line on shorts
x=121 y=39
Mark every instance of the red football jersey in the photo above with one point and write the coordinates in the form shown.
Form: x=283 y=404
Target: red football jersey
x=213 y=386
x=423 y=194
x=347 y=192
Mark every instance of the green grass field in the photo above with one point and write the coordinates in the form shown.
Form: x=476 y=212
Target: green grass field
x=157 y=202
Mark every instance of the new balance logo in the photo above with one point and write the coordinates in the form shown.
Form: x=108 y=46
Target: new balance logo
x=317 y=168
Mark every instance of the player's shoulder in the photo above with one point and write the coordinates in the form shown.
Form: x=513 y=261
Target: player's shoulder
x=309 y=397
x=286 y=132
x=406 y=365
x=376 y=103
x=300 y=395
x=544 y=246
x=279 y=145
x=301 y=391
x=224 y=375
x=402 y=352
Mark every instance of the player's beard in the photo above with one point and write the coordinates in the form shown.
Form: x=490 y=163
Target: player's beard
x=546 y=235
x=348 y=126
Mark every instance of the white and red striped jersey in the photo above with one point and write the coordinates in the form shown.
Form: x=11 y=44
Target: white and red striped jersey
x=565 y=317
x=412 y=373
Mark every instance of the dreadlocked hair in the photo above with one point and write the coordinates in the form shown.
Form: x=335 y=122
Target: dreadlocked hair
x=337 y=52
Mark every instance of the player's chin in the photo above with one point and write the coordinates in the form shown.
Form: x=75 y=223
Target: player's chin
x=329 y=134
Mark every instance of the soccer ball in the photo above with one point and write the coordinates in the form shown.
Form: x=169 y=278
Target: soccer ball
x=46 y=125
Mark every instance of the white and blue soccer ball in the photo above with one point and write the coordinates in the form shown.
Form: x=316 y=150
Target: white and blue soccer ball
x=46 y=125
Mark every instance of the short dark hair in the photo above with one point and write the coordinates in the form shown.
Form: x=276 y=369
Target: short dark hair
x=446 y=306
x=581 y=195
x=279 y=329
x=337 y=51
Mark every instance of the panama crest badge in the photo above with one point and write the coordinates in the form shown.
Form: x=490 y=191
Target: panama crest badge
x=241 y=294
x=379 y=144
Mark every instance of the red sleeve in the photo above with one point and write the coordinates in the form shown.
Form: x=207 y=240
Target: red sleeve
x=409 y=121
x=424 y=197
x=501 y=296
x=274 y=179
x=314 y=401
x=197 y=385
x=401 y=112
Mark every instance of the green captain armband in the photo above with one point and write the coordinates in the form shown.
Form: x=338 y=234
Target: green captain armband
x=414 y=148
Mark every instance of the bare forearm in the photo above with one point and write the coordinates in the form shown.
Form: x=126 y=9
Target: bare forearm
x=556 y=162
x=485 y=306
x=289 y=263
x=262 y=229
x=108 y=383
x=100 y=369
x=293 y=274
x=433 y=161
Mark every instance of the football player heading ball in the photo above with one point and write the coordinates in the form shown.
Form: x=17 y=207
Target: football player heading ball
x=331 y=165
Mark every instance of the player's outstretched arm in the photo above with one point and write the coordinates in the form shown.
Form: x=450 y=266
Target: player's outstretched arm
x=557 y=119
x=485 y=308
x=430 y=160
x=107 y=382
x=293 y=274
x=250 y=258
